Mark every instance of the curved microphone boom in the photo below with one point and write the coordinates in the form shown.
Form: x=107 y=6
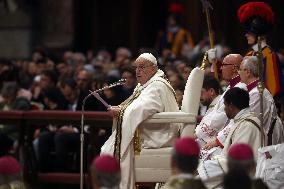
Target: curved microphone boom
x=119 y=82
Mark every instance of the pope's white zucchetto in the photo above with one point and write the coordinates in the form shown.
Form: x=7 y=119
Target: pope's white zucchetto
x=149 y=57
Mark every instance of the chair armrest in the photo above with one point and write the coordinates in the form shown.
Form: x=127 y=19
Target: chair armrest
x=172 y=117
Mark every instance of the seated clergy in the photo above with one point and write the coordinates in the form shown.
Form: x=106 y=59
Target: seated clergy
x=245 y=129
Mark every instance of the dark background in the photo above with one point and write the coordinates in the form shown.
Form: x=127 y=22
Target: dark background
x=93 y=24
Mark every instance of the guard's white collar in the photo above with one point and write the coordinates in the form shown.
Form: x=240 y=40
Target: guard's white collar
x=263 y=44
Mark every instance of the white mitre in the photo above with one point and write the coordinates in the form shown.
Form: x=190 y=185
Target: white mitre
x=149 y=57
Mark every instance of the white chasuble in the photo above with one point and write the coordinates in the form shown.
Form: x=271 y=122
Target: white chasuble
x=153 y=97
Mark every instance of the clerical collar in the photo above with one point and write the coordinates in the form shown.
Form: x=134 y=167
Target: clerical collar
x=252 y=85
x=235 y=80
x=263 y=44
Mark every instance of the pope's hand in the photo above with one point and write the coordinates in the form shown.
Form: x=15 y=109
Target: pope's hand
x=114 y=110
x=212 y=54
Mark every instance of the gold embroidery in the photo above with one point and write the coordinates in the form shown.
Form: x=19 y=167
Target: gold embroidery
x=119 y=119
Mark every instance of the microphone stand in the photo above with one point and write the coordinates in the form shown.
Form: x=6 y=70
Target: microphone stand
x=82 y=136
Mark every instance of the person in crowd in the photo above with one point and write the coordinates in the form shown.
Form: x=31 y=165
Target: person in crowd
x=153 y=94
x=11 y=101
x=64 y=70
x=122 y=57
x=83 y=85
x=38 y=54
x=102 y=62
x=10 y=72
x=105 y=172
x=121 y=60
x=184 y=162
x=78 y=60
x=176 y=81
x=176 y=38
x=47 y=81
x=42 y=64
x=115 y=95
x=272 y=125
x=67 y=57
x=52 y=99
x=179 y=94
x=83 y=80
x=186 y=72
x=131 y=82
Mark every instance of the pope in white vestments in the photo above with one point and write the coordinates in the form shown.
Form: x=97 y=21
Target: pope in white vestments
x=153 y=94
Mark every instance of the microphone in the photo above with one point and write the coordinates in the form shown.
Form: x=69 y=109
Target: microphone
x=119 y=82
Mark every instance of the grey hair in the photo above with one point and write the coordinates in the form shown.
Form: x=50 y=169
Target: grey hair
x=108 y=179
x=251 y=63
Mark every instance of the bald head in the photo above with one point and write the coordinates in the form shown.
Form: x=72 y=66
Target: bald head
x=230 y=66
x=234 y=59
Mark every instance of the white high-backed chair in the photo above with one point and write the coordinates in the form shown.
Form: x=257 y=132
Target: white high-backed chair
x=153 y=165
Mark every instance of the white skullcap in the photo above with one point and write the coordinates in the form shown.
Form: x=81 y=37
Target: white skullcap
x=149 y=57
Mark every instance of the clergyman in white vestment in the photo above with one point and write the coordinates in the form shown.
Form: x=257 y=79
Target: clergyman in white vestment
x=271 y=123
x=246 y=129
x=153 y=94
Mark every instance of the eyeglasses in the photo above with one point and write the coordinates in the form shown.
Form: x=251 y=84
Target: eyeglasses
x=227 y=64
x=224 y=65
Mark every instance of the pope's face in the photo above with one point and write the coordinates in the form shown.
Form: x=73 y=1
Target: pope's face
x=144 y=70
